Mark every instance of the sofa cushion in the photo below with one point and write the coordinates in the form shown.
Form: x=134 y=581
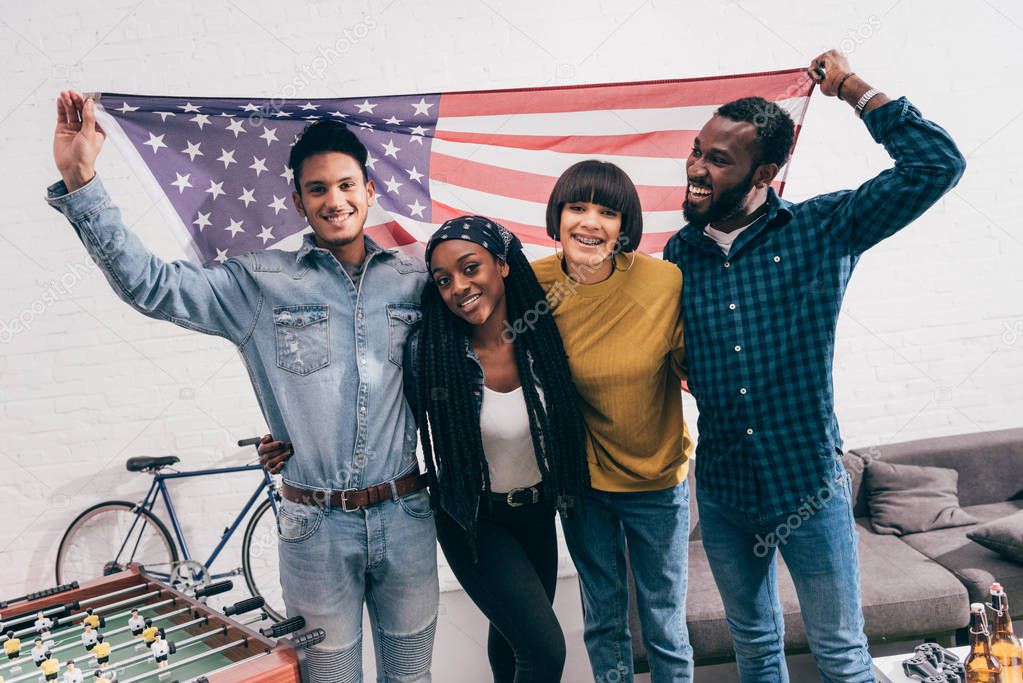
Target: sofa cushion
x=904 y=594
x=974 y=565
x=910 y=498
x=1004 y=536
x=988 y=464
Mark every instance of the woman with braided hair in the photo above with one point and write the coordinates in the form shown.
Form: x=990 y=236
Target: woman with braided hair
x=502 y=436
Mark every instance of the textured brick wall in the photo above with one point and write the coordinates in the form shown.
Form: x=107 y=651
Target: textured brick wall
x=930 y=341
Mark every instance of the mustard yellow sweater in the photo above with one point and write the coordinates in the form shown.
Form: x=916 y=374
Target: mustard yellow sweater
x=623 y=337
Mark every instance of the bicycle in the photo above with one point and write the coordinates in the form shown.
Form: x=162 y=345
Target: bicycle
x=97 y=544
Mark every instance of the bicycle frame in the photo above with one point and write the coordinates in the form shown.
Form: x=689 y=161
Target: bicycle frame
x=158 y=489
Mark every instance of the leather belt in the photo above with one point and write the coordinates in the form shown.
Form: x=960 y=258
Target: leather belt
x=352 y=500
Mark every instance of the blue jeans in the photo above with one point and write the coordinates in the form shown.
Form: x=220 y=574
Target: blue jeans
x=818 y=543
x=653 y=526
x=386 y=556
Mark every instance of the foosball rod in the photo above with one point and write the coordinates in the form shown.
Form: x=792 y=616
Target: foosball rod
x=119 y=646
x=113 y=605
x=178 y=646
x=190 y=660
x=64 y=607
x=120 y=615
x=4 y=604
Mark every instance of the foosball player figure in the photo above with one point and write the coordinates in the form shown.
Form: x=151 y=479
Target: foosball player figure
x=101 y=651
x=136 y=623
x=101 y=677
x=50 y=667
x=43 y=625
x=89 y=638
x=160 y=649
x=72 y=674
x=38 y=652
x=94 y=620
x=12 y=646
x=150 y=632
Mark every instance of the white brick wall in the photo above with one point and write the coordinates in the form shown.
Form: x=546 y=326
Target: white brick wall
x=930 y=342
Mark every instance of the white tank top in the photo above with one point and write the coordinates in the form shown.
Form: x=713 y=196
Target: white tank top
x=507 y=443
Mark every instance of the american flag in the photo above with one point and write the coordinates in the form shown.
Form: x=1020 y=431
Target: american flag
x=218 y=166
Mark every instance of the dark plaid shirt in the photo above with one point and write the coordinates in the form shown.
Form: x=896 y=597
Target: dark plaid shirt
x=760 y=322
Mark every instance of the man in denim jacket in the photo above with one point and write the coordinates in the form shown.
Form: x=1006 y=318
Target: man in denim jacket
x=322 y=332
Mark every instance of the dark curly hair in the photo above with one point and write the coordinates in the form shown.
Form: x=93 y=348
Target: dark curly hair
x=775 y=129
x=449 y=426
x=325 y=136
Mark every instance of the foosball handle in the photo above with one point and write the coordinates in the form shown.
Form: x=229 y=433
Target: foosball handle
x=311 y=637
x=283 y=628
x=299 y=644
x=243 y=606
x=63 y=588
x=214 y=589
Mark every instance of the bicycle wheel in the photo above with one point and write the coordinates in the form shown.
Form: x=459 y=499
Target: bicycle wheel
x=260 y=562
x=108 y=536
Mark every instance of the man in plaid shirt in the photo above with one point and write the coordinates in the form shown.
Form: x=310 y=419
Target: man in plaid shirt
x=764 y=281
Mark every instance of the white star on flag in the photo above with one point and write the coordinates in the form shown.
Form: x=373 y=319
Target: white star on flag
x=269 y=134
x=155 y=141
x=163 y=115
x=216 y=189
x=235 y=227
x=249 y=107
x=392 y=185
x=422 y=107
x=221 y=255
x=192 y=150
x=189 y=107
x=366 y=107
x=226 y=157
x=182 y=182
x=277 y=205
x=236 y=126
x=125 y=108
x=390 y=150
x=247 y=196
x=309 y=106
x=258 y=165
x=265 y=233
x=288 y=174
x=202 y=220
x=416 y=208
x=201 y=120
x=414 y=175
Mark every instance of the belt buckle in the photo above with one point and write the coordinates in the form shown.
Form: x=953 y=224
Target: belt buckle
x=344 y=501
x=513 y=504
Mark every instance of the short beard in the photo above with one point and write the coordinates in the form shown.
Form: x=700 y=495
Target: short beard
x=724 y=207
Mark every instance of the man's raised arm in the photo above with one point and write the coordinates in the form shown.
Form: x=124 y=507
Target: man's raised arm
x=222 y=300
x=927 y=162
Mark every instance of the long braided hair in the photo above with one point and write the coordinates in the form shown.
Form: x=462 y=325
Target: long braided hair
x=449 y=425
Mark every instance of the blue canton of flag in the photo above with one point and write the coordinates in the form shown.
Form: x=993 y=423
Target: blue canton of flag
x=222 y=163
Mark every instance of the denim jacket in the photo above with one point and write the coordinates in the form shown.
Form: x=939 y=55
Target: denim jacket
x=324 y=357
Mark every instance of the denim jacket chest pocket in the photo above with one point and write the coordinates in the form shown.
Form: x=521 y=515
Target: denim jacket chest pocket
x=303 y=337
x=402 y=320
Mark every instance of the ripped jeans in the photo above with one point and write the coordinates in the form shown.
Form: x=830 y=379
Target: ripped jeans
x=332 y=561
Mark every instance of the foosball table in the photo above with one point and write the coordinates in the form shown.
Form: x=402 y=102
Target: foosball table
x=130 y=628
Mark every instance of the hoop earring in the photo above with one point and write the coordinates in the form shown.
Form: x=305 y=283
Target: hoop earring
x=614 y=263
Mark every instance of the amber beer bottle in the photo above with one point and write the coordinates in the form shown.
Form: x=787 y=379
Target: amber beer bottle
x=981 y=666
x=1005 y=645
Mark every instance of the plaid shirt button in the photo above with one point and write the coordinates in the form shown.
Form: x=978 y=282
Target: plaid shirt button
x=731 y=307
x=742 y=391
x=749 y=432
x=738 y=348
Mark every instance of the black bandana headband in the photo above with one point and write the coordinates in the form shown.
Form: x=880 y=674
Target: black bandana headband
x=490 y=235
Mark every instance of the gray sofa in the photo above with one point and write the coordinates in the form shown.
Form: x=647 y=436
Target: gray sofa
x=914 y=587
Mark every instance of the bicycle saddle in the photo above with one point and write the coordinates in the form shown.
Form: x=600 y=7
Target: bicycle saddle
x=146 y=463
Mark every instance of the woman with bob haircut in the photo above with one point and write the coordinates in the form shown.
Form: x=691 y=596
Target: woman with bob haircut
x=619 y=314
x=502 y=437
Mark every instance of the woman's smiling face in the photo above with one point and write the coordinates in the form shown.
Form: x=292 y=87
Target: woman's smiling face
x=469 y=278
